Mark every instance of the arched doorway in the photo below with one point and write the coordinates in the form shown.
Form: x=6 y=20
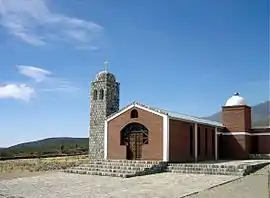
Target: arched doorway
x=134 y=136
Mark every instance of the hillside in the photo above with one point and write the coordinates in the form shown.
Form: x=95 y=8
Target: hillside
x=50 y=146
x=260 y=114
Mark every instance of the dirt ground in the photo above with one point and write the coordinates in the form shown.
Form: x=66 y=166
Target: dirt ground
x=19 y=174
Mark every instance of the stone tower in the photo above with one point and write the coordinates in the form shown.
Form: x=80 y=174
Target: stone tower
x=104 y=101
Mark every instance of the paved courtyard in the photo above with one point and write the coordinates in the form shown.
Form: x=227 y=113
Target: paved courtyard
x=60 y=184
x=251 y=186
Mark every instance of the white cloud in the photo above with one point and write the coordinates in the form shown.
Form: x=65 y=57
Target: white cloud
x=33 y=22
x=50 y=83
x=36 y=73
x=16 y=91
x=59 y=85
x=44 y=81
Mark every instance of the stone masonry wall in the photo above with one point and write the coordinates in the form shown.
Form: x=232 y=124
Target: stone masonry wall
x=100 y=109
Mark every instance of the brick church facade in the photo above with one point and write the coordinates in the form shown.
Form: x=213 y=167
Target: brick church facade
x=141 y=132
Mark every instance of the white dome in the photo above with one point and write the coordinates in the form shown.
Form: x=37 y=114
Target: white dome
x=236 y=100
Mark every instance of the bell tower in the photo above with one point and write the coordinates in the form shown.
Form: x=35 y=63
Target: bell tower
x=104 y=101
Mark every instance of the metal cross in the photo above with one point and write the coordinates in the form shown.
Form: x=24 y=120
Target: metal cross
x=106 y=65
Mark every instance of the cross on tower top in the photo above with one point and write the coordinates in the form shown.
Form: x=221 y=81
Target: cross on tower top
x=106 y=65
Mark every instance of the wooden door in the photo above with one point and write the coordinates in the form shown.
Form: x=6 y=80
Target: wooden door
x=136 y=140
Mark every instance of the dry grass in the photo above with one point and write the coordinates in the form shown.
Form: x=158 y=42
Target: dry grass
x=43 y=164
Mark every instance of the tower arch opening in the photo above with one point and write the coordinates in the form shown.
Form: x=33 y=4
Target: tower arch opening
x=101 y=94
x=95 y=93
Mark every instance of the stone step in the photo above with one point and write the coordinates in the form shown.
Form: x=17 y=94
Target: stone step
x=111 y=165
x=89 y=166
x=106 y=170
x=205 y=168
x=101 y=173
x=119 y=168
x=204 y=165
x=207 y=171
x=130 y=162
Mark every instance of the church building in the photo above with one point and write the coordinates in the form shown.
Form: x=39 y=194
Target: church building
x=142 y=132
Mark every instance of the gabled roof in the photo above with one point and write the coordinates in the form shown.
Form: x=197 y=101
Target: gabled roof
x=162 y=112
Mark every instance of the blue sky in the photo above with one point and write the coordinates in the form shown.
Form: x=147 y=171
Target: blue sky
x=188 y=56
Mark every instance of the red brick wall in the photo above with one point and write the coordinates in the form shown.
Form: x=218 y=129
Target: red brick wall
x=154 y=123
x=179 y=144
x=263 y=141
x=237 y=118
x=206 y=154
x=264 y=144
x=234 y=146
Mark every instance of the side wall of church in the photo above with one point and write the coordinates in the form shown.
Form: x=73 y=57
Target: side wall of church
x=262 y=142
x=179 y=141
x=154 y=123
x=234 y=146
x=207 y=142
x=182 y=141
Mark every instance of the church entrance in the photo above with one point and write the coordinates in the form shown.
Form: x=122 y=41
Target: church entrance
x=134 y=136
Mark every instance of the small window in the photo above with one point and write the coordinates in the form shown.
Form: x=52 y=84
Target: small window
x=134 y=114
x=101 y=94
x=95 y=94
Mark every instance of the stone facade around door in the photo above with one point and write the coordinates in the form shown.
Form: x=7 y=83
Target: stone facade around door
x=154 y=123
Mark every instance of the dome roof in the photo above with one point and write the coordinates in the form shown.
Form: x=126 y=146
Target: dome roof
x=105 y=76
x=236 y=100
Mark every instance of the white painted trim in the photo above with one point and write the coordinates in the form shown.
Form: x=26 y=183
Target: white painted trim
x=216 y=143
x=166 y=138
x=261 y=127
x=137 y=106
x=196 y=141
x=245 y=133
x=106 y=140
x=254 y=134
x=201 y=123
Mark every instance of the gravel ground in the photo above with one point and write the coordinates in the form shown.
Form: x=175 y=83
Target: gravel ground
x=18 y=174
x=65 y=185
x=251 y=186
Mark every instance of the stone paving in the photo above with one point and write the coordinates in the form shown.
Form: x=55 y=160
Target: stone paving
x=254 y=185
x=66 y=185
